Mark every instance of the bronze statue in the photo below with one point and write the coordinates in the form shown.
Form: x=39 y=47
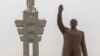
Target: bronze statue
x=74 y=40
x=30 y=5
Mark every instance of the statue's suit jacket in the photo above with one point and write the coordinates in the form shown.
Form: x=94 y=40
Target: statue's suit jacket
x=74 y=41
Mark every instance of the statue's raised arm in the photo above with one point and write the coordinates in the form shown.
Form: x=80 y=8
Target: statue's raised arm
x=59 y=19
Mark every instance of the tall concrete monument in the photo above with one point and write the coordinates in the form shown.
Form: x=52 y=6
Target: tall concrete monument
x=30 y=29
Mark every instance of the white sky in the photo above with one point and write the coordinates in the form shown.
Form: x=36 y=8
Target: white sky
x=85 y=11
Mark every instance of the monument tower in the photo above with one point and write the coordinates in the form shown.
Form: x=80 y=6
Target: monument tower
x=30 y=29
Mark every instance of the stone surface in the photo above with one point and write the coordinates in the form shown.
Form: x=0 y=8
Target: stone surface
x=30 y=28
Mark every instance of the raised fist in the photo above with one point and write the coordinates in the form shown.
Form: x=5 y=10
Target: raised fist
x=60 y=8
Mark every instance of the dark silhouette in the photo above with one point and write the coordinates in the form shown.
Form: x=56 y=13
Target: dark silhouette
x=74 y=40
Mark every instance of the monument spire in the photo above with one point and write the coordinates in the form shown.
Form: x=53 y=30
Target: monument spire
x=30 y=5
x=30 y=29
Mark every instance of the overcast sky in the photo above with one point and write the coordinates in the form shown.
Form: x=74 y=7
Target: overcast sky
x=87 y=12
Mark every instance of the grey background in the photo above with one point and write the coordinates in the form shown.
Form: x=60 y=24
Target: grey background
x=87 y=12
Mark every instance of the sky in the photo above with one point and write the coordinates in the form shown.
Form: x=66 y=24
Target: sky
x=85 y=11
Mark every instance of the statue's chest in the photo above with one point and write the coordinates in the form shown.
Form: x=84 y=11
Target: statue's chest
x=75 y=35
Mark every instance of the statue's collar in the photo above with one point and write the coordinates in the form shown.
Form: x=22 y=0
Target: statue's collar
x=73 y=29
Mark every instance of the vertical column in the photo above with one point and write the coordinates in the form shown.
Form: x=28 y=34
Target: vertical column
x=32 y=4
x=25 y=48
x=25 y=35
x=35 y=47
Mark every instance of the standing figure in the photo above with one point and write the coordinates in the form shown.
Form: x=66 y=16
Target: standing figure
x=30 y=5
x=74 y=40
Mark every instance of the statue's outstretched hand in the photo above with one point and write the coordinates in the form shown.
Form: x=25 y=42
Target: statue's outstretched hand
x=60 y=8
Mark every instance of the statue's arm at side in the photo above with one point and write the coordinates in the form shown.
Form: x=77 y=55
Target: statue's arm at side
x=83 y=45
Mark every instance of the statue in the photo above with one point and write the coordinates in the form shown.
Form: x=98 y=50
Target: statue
x=30 y=5
x=74 y=40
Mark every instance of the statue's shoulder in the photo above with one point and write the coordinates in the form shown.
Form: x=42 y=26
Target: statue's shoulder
x=81 y=31
x=66 y=28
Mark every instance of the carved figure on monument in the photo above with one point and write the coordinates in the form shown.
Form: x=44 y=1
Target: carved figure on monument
x=74 y=40
x=30 y=5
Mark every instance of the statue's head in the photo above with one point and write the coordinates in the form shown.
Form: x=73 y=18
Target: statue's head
x=73 y=23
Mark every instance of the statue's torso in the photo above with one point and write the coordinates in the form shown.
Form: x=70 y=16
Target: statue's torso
x=72 y=42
